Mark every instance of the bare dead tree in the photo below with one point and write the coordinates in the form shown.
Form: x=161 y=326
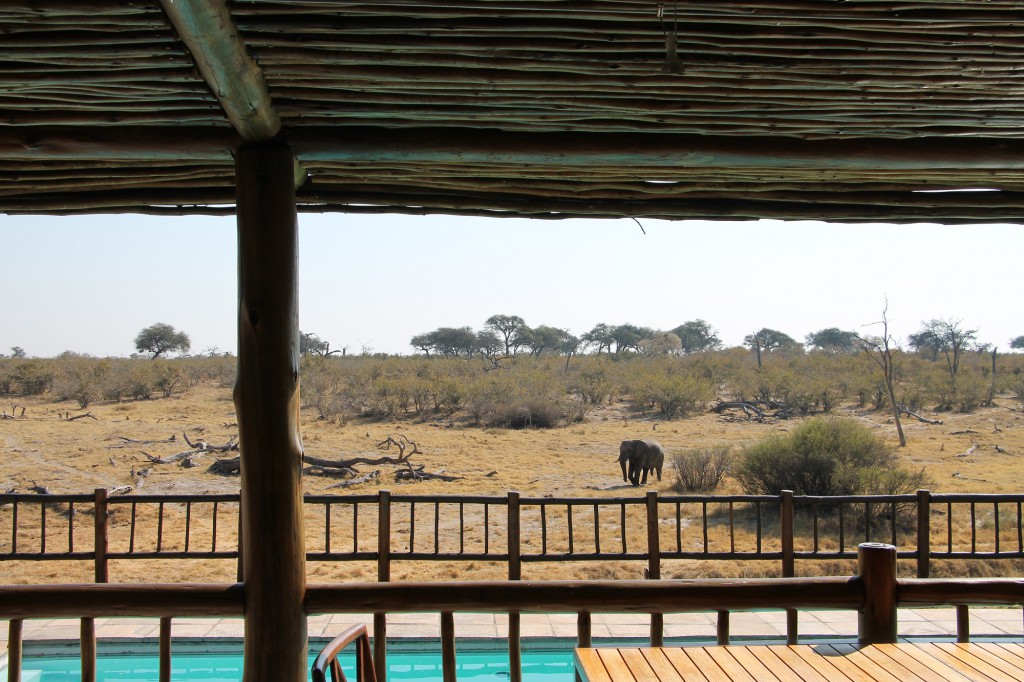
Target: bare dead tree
x=880 y=349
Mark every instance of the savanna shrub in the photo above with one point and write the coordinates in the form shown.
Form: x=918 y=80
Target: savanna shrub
x=526 y=414
x=831 y=456
x=700 y=470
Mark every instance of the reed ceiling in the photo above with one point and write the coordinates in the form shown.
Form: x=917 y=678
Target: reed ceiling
x=839 y=110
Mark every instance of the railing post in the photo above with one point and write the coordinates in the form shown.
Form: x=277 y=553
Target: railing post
x=240 y=570
x=788 y=558
x=448 y=665
x=654 y=564
x=876 y=620
x=88 y=647
x=924 y=533
x=515 y=572
x=165 y=649
x=722 y=630
x=380 y=619
x=584 y=634
x=102 y=536
x=963 y=623
x=14 y=650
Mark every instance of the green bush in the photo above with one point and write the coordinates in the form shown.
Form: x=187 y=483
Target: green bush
x=700 y=470
x=526 y=414
x=824 y=457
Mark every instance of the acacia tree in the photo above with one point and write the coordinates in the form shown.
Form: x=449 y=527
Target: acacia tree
x=697 y=335
x=507 y=327
x=599 y=337
x=161 y=338
x=952 y=340
x=767 y=340
x=1016 y=344
x=833 y=340
x=880 y=349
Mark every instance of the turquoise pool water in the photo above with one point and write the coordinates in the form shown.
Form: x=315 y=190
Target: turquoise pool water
x=479 y=666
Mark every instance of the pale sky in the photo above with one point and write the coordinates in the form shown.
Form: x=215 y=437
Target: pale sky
x=89 y=284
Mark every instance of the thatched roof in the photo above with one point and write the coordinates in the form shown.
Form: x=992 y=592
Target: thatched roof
x=844 y=110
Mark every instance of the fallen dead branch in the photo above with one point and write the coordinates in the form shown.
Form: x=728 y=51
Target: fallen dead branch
x=126 y=441
x=89 y=415
x=418 y=474
x=903 y=410
x=229 y=466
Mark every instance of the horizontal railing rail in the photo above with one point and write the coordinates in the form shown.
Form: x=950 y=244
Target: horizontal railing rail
x=875 y=594
x=386 y=528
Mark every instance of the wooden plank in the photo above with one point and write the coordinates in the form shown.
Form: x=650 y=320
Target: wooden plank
x=615 y=665
x=686 y=668
x=1013 y=659
x=850 y=656
x=979 y=657
x=938 y=668
x=751 y=664
x=900 y=654
x=638 y=665
x=589 y=666
x=776 y=665
x=706 y=664
x=1012 y=650
x=799 y=666
x=829 y=662
x=974 y=669
x=661 y=666
x=728 y=663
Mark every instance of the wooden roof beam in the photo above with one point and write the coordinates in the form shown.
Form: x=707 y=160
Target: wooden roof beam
x=209 y=32
x=521 y=152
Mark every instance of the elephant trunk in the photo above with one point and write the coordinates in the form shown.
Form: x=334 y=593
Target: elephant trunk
x=622 y=463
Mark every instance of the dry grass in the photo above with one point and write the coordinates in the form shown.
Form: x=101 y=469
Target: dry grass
x=574 y=461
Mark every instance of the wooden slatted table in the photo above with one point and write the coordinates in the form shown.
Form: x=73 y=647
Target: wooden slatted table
x=917 y=662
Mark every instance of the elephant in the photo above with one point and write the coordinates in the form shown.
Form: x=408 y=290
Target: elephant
x=641 y=456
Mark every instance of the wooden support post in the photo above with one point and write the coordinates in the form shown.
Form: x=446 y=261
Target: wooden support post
x=722 y=631
x=165 y=649
x=101 y=536
x=14 y=629
x=963 y=623
x=515 y=647
x=924 y=533
x=788 y=558
x=515 y=572
x=380 y=618
x=584 y=634
x=267 y=404
x=654 y=564
x=87 y=637
x=448 y=665
x=876 y=621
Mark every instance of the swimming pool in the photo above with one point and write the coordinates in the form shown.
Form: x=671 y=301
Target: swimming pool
x=479 y=666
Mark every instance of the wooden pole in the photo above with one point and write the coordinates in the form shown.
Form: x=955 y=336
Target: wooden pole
x=924 y=533
x=267 y=403
x=165 y=649
x=380 y=618
x=788 y=559
x=515 y=572
x=101 y=536
x=14 y=629
x=448 y=664
x=876 y=620
x=87 y=638
x=654 y=563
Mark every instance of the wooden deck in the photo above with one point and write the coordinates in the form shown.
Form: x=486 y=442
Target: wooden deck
x=901 y=662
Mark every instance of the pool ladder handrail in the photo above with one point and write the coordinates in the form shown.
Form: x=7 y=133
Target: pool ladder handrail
x=328 y=657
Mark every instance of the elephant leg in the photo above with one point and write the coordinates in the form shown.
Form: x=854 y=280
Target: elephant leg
x=643 y=480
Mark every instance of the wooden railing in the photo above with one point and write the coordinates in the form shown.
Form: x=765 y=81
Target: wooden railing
x=875 y=593
x=655 y=529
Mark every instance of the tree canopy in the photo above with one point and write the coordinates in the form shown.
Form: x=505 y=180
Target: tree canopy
x=833 y=340
x=697 y=335
x=161 y=338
